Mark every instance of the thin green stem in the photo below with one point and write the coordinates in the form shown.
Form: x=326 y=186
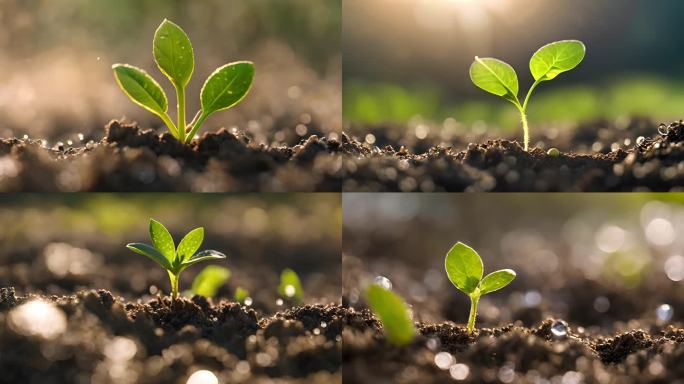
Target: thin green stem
x=172 y=127
x=529 y=94
x=180 y=91
x=474 y=299
x=203 y=116
x=174 y=285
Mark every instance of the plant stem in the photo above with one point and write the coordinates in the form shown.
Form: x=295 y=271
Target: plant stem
x=203 y=116
x=174 y=285
x=180 y=91
x=526 y=129
x=172 y=127
x=473 y=312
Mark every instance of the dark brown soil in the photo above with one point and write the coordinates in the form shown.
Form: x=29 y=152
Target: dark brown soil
x=171 y=339
x=620 y=162
x=511 y=354
x=132 y=159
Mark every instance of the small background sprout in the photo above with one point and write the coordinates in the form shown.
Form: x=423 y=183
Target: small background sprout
x=464 y=269
x=208 y=282
x=175 y=57
x=499 y=78
x=174 y=260
x=290 y=287
x=394 y=314
x=241 y=294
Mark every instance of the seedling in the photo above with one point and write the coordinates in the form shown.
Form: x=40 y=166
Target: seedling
x=208 y=282
x=174 y=260
x=241 y=294
x=394 y=314
x=499 y=78
x=175 y=57
x=464 y=268
x=290 y=287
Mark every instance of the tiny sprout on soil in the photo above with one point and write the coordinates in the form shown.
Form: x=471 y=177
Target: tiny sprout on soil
x=290 y=287
x=393 y=312
x=499 y=78
x=208 y=282
x=241 y=294
x=175 y=57
x=464 y=268
x=174 y=260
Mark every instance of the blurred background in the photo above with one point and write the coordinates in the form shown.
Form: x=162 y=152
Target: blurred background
x=57 y=57
x=406 y=61
x=57 y=244
x=591 y=259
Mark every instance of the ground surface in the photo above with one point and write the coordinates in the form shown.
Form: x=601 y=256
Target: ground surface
x=132 y=159
x=622 y=342
x=635 y=155
x=94 y=337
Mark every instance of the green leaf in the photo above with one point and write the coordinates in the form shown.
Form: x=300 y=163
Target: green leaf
x=173 y=53
x=553 y=59
x=190 y=244
x=203 y=256
x=210 y=280
x=392 y=311
x=496 y=280
x=151 y=252
x=227 y=86
x=290 y=286
x=496 y=77
x=162 y=240
x=464 y=267
x=141 y=88
x=241 y=294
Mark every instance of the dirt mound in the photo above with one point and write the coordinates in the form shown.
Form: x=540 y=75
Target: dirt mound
x=132 y=159
x=96 y=337
x=647 y=164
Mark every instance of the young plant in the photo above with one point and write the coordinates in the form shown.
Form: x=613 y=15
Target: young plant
x=174 y=260
x=464 y=268
x=290 y=287
x=208 y=282
x=241 y=294
x=499 y=78
x=394 y=314
x=175 y=57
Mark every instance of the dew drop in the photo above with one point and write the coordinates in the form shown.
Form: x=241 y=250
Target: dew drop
x=664 y=312
x=444 y=360
x=279 y=302
x=290 y=290
x=559 y=328
x=383 y=282
x=248 y=301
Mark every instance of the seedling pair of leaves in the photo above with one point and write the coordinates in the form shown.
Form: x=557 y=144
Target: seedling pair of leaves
x=290 y=287
x=174 y=260
x=499 y=78
x=175 y=57
x=465 y=270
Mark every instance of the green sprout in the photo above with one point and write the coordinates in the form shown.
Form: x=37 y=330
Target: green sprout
x=208 y=282
x=499 y=78
x=174 y=260
x=464 y=268
x=290 y=287
x=241 y=294
x=393 y=313
x=175 y=57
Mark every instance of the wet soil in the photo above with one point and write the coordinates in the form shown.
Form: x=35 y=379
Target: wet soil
x=129 y=158
x=636 y=156
x=510 y=354
x=110 y=340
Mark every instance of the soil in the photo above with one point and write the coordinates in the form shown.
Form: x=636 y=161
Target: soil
x=110 y=340
x=129 y=158
x=631 y=156
x=513 y=341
